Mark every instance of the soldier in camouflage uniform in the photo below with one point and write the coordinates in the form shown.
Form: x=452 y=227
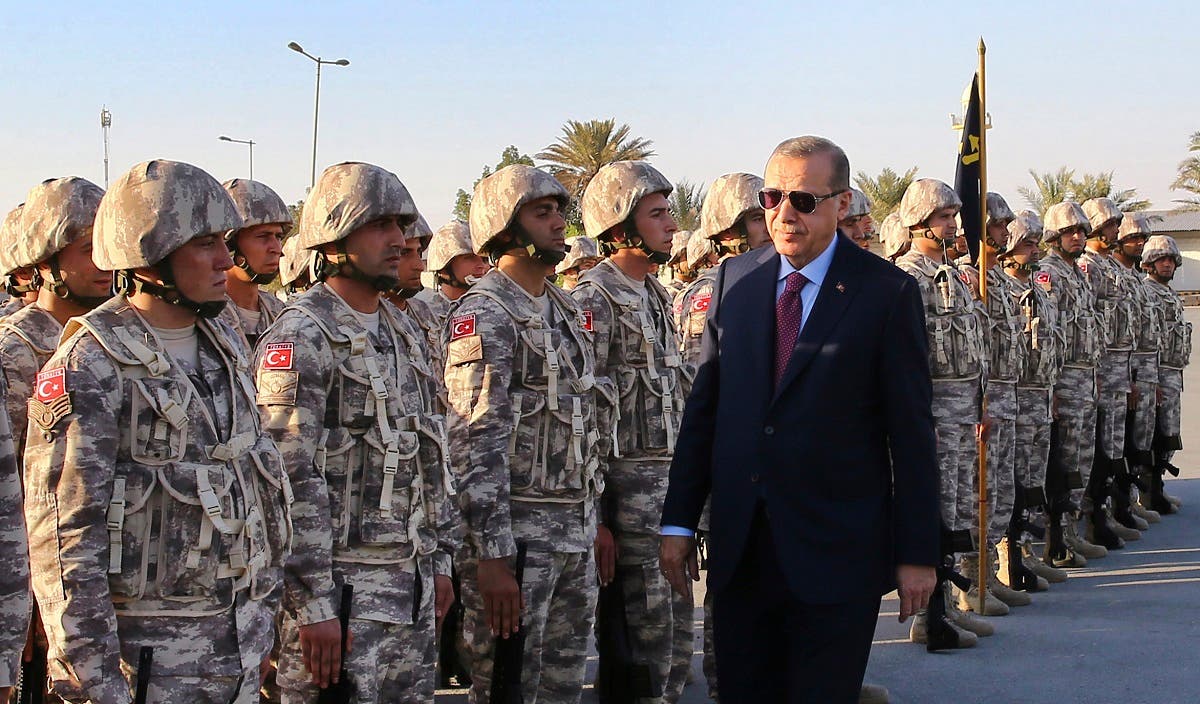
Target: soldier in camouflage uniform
x=295 y=269
x=15 y=601
x=456 y=266
x=1038 y=335
x=526 y=434
x=57 y=247
x=1161 y=258
x=1139 y=436
x=256 y=249
x=894 y=239
x=1106 y=526
x=19 y=289
x=158 y=511
x=1064 y=236
x=857 y=225
x=956 y=364
x=678 y=274
x=346 y=391
x=625 y=207
x=584 y=254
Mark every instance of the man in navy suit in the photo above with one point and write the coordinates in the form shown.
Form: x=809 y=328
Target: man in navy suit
x=810 y=425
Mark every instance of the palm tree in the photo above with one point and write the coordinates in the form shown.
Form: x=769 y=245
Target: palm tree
x=1051 y=188
x=884 y=191
x=1189 y=177
x=584 y=148
x=686 y=201
x=1048 y=189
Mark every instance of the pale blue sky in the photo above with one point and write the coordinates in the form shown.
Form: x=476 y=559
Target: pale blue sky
x=437 y=89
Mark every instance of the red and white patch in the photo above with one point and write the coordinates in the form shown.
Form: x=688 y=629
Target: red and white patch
x=963 y=277
x=51 y=384
x=1041 y=278
x=277 y=355
x=1083 y=266
x=700 y=303
x=462 y=326
x=588 y=321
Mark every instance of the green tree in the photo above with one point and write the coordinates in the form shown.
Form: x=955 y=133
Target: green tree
x=1055 y=187
x=584 y=148
x=1188 y=178
x=686 y=202
x=1048 y=189
x=462 y=200
x=884 y=191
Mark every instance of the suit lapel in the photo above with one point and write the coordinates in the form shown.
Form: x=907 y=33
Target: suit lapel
x=838 y=289
x=760 y=286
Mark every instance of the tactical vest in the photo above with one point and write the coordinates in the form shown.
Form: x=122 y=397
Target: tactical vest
x=951 y=324
x=1039 y=334
x=194 y=517
x=649 y=376
x=1176 y=337
x=1113 y=306
x=1145 y=320
x=1079 y=329
x=1007 y=353
x=555 y=421
x=377 y=448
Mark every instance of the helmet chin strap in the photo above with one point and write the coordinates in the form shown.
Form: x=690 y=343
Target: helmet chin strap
x=58 y=286
x=240 y=261
x=342 y=266
x=127 y=282
x=16 y=289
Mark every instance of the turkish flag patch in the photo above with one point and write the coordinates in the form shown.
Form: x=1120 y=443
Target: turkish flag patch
x=1042 y=278
x=588 y=321
x=277 y=355
x=700 y=303
x=51 y=384
x=963 y=277
x=1083 y=266
x=462 y=326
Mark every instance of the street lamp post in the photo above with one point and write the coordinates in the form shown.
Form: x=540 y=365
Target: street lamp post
x=249 y=142
x=316 y=103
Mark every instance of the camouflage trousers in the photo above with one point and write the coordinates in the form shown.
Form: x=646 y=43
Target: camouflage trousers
x=1033 y=436
x=710 y=653
x=390 y=663
x=1112 y=385
x=1001 y=456
x=1145 y=371
x=560 y=590
x=651 y=608
x=1170 y=382
x=1076 y=394
x=955 y=415
x=683 y=646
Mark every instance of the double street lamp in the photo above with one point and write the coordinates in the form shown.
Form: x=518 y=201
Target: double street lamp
x=317 y=105
x=250 y=142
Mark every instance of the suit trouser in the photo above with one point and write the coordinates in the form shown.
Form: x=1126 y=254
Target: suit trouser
x=773 y=647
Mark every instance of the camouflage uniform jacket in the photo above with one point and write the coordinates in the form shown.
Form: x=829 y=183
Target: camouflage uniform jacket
x=1146 y=325
x=1113 y=309
x=14 y=569
x=1079 y=328
x=27 y=339
x=524 y=423
x=1006 y=353
x=638 y=349
x=151 y=491
x=352 y=413
x=1040 y=332
x=691 y=314
x=10 y=306
x=430 y=317
x=952 y=323
x=269 y=308
x=1175 y=341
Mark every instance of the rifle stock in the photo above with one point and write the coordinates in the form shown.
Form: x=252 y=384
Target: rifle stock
x=145 y=664
x=343 y=691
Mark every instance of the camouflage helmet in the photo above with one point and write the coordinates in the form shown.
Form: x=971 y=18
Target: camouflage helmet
x=1101 y=211
x=56 y=213
x=1061 y=216
x=498 y=197
x=257 y=203
x=294 y=262
x=451 y=240
x=582 y=248
x=728 y=200
x=1132 y=225
x=998 y=210
x=421 y=232
x=679 y=245
x=893 y=236
x=10 y=238
x=614 y=192
x=1159 y=246
x=154 y=209
x=860 y=205
x=923 y=198
x=1026 y=225
x=348 y=196
x=698 y=248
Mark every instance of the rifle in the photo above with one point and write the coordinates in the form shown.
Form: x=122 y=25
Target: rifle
x=31 y=682
x=341 y=692
x=510 y=652
x=142 y=685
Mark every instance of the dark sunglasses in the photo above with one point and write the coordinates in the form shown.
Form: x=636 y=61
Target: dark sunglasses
x=802 y=201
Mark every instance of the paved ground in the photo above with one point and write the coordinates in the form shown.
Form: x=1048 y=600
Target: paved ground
x=1122 y=630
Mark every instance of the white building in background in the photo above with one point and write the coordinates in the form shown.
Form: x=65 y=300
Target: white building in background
x=1185 y=228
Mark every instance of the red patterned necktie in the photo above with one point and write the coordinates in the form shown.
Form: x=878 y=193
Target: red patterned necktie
x=789 y=311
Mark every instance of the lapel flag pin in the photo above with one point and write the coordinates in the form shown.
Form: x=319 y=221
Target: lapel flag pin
x=841 y=287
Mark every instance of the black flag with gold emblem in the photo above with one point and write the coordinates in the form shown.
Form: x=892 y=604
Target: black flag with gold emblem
x=967 y=174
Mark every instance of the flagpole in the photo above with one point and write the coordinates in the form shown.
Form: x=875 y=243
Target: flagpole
x=984 y=556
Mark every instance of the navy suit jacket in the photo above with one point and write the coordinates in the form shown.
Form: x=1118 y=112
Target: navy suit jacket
x=841 y=454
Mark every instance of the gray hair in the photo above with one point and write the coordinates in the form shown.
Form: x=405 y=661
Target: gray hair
x=811 y=145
